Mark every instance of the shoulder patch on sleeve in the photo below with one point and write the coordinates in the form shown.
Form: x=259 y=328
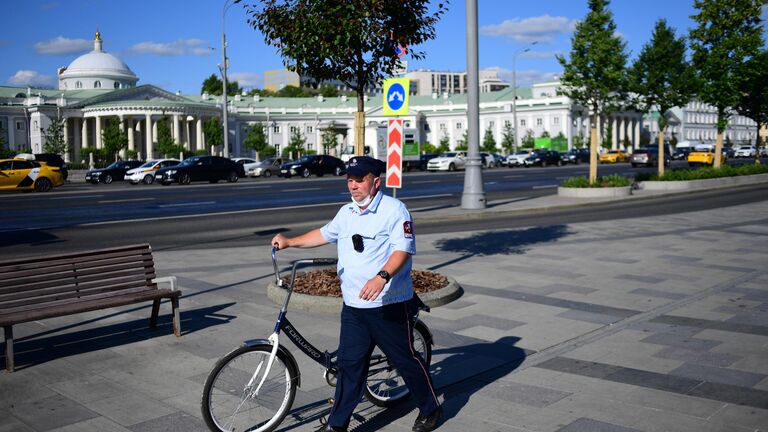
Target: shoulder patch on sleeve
x=408 y=229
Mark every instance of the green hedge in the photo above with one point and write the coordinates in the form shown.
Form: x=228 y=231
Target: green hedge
x=613 y=180
x=705 y=173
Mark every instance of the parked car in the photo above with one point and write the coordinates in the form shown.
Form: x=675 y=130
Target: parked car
x=517 y=158
x=115 y=171
x=318 y=165
x=266 y=168
x=543 y=158
x=501 y=159
x=681 y=153
x=21 y=174
x=729 y=152
x=247 y=163
x=614 y=156
x=448 y=161
x=745 y=151
x=575 y=156
x=52 y=159
x=704 y=156
x=201 y=168
x=146 y=172
x=648 y=156
x=489 y=160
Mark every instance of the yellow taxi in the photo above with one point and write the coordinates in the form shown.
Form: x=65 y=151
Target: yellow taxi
x=21 y=174
x=704 y=156
x=614 y=156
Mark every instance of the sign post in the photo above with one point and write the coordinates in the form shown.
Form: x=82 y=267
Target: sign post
x=396 y=92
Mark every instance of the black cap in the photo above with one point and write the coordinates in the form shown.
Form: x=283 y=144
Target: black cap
x=360 y=166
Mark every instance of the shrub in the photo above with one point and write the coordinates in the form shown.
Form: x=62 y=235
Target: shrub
x=613 y=180
x=705 y=173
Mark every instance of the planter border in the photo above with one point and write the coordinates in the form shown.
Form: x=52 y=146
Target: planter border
x=324 y=304
x=604 y=192
x=682 y=185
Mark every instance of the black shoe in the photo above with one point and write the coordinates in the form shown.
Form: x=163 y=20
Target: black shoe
x=327 y=428
x=428 y=423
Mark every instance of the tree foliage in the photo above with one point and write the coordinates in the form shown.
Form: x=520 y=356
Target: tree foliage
x=55 y=141
x=214 y=132
x=166 y=144
x=595 y=76
x=256 y=139
x=345 y=40
x=112 y=138
x=296 y=145
x=292 y=91
x=445 y=144
x=213 y=85
x=508 y=139
x=328 y=139
x=753 y=102
x=489 y=142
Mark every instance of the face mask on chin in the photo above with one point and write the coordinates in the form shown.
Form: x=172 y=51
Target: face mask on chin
x=365 y=201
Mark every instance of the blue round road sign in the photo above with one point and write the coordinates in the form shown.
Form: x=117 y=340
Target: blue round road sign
x=395 y=96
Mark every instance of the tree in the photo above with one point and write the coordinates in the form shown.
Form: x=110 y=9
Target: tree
x=661 y=78
x=256 y=139
x=292 y=91
x=213 y=86
x=55 y=141
x=753 y=102
x=329 y=91
x=728 y=34
x=4 y=153
x=296 y=143
x=328 y=139
x=214 y=132
x=350 y=41
x=489 y=142
x=113 y=138
x=260 y=92
x=508 y=139
x=445 y=144
x=166 y=144
x=528 y=141
x=595 y=75
x=463 y=142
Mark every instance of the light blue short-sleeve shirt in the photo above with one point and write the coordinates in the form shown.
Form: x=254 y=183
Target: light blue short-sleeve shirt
x=385 y=226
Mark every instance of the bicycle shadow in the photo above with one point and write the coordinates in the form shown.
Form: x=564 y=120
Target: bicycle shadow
x=505 y=242
x=39 y=348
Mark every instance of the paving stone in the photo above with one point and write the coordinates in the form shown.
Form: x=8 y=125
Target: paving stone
x=98 y=424
x=176 y=422
x=51 y=412
x=641 y=278
x=711 y=324
x=657 y=293
x=691 y=344
x=561 y=287
x=523 y=394
x=718 y=375
x=130 y=408
x=589 y=317
x=705 y=358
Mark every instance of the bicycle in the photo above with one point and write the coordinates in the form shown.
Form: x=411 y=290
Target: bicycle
x=253 y=387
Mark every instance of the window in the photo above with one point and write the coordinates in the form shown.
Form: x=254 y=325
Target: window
x=117 y=85
x=78 y=85
x=442 y=126
x=310 y=129
x=539 y=121
x=97 y=84
x=294 y=129
x=490 y=124
x=507 y=123
x=276 y=129
x=522 y=122
x=34 y=127
x=19 y=125
x=458 y=125
x=556 y=120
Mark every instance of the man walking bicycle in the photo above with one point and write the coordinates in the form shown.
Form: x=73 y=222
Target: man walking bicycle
x=375 y=242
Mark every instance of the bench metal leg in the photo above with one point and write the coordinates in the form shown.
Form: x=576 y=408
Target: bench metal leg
x=8 y=348
x=155 y=312
x=176 y=317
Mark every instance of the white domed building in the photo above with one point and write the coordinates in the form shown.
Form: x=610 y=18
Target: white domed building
x=96 y=70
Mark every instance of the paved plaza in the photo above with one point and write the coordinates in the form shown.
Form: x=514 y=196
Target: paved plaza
x=644 y=324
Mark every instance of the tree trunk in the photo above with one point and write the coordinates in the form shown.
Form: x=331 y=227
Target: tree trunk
x=593 y=152
x=718 y=149
x=360 y=124
x=661 y=153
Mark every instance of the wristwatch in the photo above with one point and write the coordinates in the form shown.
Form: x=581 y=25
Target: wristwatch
x=385 y=275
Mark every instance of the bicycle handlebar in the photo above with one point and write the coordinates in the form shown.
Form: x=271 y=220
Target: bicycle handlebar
x=312 y=261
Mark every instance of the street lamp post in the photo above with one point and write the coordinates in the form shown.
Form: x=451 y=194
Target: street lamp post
x=223 y=69
x=514 y=93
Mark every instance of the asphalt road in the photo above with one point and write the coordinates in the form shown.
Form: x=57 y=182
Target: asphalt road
x=84 y=216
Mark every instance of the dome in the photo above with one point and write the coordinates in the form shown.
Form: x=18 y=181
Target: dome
x=97 y=69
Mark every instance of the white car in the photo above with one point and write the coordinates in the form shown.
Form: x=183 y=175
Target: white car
x=146 y=172
x=448 y=161
x=267 y=167
x=518 y=158
x=745 y=151
x=247 y=163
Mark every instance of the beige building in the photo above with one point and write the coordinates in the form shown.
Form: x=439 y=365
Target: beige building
x=276 y=79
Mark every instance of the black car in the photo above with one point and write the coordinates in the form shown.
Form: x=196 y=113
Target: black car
x=729 y=152
x=681 y=153
x=201 y=168
x=543 y=158
x=575 y=156
x=318 y=165
x=116 y=171
x=648 y=156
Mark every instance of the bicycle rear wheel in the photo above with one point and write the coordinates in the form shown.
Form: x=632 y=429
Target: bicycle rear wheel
x=229 y=402
x=384 y=386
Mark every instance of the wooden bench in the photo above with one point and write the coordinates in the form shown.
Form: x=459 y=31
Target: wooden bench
x=57 y=285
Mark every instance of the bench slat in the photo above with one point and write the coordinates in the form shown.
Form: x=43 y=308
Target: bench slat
x=7 y=277
x=110 y=289
x=41 y=261
x=55 y=302
x=73 y=282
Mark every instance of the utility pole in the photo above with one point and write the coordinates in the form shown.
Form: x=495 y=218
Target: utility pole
x=473 y=196
x=514 y=93
x=223 y=68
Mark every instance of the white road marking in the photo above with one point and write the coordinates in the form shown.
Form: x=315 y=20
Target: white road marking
x=187 y=204
x=125 y=200
x=76 y=197
x=545 y=186
x=426 y=181
x=301 y=189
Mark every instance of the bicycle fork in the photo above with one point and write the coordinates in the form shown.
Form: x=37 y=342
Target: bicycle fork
x=274 y=341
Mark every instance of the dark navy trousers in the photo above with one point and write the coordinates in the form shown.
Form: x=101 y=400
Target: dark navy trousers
x=390 y=328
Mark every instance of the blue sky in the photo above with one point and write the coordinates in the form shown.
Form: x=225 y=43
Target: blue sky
x=175 y=44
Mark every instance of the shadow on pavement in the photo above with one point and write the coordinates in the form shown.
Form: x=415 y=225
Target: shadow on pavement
x=506 y=242
x=28 y=237
x=38 y=348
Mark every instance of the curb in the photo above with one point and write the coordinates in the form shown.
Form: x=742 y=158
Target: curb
x=605 y=192
x=332 y=305
x=703 y=183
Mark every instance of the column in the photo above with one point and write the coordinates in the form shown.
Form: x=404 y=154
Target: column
x=98 y=133
x=148 y=140
x=154 y=129
x=66 y=139
x=615 y=133
x=131 y=142
x=77 y=139
x=636 y=134
x=176 y=129
x=187 y=143
x=84 y=132
x=199 y=131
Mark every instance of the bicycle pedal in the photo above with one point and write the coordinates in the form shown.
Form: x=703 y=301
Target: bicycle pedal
x=331 y=401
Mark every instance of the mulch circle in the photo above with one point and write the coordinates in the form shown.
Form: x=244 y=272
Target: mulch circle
x=325 y=282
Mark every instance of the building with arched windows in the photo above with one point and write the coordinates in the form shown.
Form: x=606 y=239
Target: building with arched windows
x=96 y=70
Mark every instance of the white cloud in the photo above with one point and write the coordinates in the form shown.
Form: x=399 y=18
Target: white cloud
x=246 y=79
x=526 y=77
x=542 y=28
x=176 y=48
x=62 y=45
x=24 y=78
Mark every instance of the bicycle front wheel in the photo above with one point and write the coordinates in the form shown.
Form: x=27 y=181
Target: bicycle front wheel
x=230 y=400
x=384 y=386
